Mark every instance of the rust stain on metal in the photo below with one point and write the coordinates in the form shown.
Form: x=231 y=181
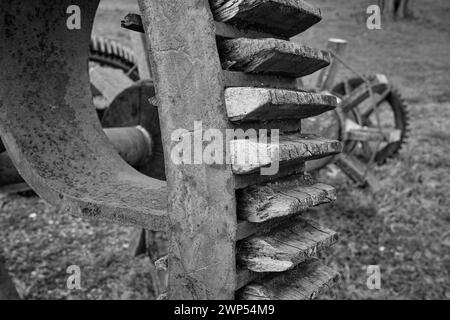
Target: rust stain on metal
x=48 y=122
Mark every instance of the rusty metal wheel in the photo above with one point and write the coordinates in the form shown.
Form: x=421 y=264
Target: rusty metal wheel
x=393 y=115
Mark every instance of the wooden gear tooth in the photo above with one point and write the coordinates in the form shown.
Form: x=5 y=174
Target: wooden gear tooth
x=272 y=56
x=282 y=17
x=284 y=247
x=305 y=282
x=249 y=156
x=256 y=104
x=281 y=199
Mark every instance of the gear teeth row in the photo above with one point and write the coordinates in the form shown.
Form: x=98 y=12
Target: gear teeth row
x=109 y=52
x=275 y=244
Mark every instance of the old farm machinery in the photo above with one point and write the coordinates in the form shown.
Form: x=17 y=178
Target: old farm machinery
x=371 y=119
x=233 y=232
x=372 y=123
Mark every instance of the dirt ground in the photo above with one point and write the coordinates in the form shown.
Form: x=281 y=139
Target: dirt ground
x=404 y=228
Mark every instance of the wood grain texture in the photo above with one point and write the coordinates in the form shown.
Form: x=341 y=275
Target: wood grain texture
x=294 y=168
x=271 y=56
x=287 y=126
x=282 y=198
x=249 y=155
x=229 y=31
x=247 y=229
x=284 y=247
x=305 y=282
x=357 y=171
x=133 y=21
x=253 y=104
x=281 y=17
x=379 y=85
x=202 y=213
x=374 y=134
x=241 y=79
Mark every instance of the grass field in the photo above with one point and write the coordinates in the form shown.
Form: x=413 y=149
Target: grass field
x=404 y=228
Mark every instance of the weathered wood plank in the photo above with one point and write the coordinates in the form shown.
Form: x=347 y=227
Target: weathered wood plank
x=373 y=134
x=248 y=155
x=246 y=229
x=282 y=17
x=245 y=276
x=360 y=133
x=305 y=282
x=271 y=56
x=253 y=104
x=284 y=247
x=356 y=171
x=281 y=199
x=379 y=84
x=228 y=31
x=286 y=126
x=241 y=79
x=294 y=168
x=133 y=21
x=186 y=66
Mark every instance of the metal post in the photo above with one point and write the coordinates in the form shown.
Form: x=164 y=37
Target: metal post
x=132 y=143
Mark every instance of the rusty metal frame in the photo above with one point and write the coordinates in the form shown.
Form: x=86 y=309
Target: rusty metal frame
x=48 y=122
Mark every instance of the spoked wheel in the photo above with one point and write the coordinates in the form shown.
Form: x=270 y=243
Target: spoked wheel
x=390 y=119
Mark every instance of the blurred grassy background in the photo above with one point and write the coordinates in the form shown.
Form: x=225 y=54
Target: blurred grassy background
x=404 y=228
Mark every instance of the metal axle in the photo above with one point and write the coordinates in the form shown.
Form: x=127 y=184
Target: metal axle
x=134 y=144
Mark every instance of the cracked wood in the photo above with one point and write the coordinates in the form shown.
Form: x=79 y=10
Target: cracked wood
x=282 y=198
x=305 y=282
x=271 y=56
x=281 y=17
x=249 y=156
x=253 y=104
x=285 y=246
